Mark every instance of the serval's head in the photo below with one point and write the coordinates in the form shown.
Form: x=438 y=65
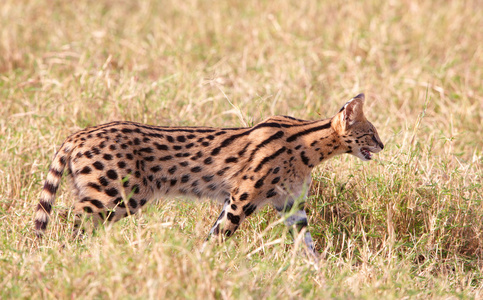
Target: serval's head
x=357 y=134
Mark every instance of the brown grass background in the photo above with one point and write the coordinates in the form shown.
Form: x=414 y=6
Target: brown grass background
x=406 y=225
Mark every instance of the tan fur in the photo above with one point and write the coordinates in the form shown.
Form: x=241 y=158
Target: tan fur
x=123 y=165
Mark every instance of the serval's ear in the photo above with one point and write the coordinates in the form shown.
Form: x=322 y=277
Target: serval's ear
x=349 y=114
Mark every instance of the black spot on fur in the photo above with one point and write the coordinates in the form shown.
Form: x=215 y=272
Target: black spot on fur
x=243 y=196
x=185 y=178
x=208 y=178
x=111 y=216
x=96 y=203
x=86 y=170
x=304 y=158
x=98 y=165
x=172 y=170
x=156 y=169
x=119 y=202
x=146 y=149
x=103 y=181
x=271 y=193
x=222 y=171
x=234 y=219
x=133 y=203
x=249 y=209
x=275 y=180
x=165 y=158
x=196 y=169
x=94 y=186
x=112 y=174
x=216 y=151
x=161 y=147
x=135 y=189
x=112 y=192
x=231 y=160
x=244 y=150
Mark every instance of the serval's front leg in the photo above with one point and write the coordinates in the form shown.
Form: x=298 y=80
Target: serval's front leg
x=295 y=218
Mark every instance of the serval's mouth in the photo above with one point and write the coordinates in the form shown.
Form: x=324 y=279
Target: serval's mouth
x=366 y=153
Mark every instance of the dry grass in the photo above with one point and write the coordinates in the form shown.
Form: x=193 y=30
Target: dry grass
x=405 y=225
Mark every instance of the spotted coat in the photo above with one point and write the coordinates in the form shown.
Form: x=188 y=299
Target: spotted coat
x=118 y=167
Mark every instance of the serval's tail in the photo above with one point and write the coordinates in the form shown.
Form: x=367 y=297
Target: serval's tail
x=51 y=184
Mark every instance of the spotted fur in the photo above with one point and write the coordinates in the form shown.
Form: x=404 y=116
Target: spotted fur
x=117 y=168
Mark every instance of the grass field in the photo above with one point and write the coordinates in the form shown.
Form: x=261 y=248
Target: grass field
x=406 y=225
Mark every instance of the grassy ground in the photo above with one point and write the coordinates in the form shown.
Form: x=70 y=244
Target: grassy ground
x=406 y=225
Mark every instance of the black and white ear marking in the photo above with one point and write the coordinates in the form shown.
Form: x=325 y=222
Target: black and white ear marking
x=360 y=96
x=352 y=110
x=349 y=114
